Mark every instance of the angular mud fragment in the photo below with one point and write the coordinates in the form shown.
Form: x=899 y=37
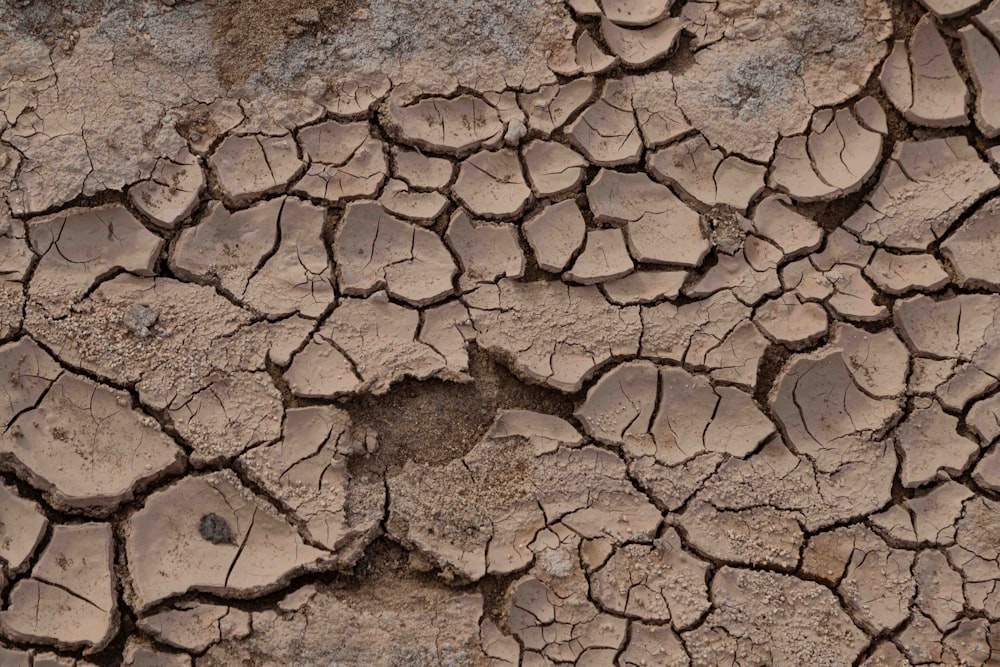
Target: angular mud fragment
x=931 y=446
x=365 y=345
x=550 y=107
x=374 y=250
x=658 y=582
x=553 y=168
x=555 y=234
x=85 y=447
x=168 y=555
x=690 y=332
x=345 y=162
x=921 y=80
x=485 y=251
x=835 y=159
x=69 y=601
x=573 y=329
x=923 y=189
x=456 y=126
x=22 y=527
x=642 y=47
x=927 y=519
x=983 y=60
x=421 y=207
x=421 y=171
x=82 y=245
x=976 y=552
x=251 y=166
x=775 y=220
x=660 y=228
x=759 y=536
x=478 y=515
x=751 y=273
x=899 y=274
x=653 y=645
x=791 y=322
x=939 y=589
x=604 y=257
x=704 y=173
x=195 y=626
x=606 y=132
x=757 y=620
x=644 y=287
x=172 y=191
x=307 y=473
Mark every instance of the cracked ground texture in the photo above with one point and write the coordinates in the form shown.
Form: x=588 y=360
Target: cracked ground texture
x=625 y=333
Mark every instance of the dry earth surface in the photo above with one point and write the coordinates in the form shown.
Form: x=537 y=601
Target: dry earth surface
x=625 y=333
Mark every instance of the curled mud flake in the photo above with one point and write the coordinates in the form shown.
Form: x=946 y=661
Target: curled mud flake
x=167 y=556
x=604 y=257
x=635 y=12
x=835 y=159
x=22 y=527
x=421 y=171
x=422 y=207
x=549 y=108
x=791 y=322
x=644 y=287
x=974 y=249
x=213 y=528
x=553 y=169
x=374 y=250
x=485 y=251
x=760 y=536
x=549 y=610
x=927 y=519
x=456 y=126
x=923 y=189
x=345 y=162
x=983 y=60
x=589 y=58
x=755 y=619
x=172 y=191
x=706 y=174
x=573 y=329
x=899 y=274
x=365 y=345
x=606 y=132
x=641 y=47
x=307 y=472
x=251 y=166
x=661 y=582
x=69 y=601
x=85 y=447
x=491 y=184
x=922 y=82
x=556 y=234
x=79 y=246
x=659 y=227
x=195 y=626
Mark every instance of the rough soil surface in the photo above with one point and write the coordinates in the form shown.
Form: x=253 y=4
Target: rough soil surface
x=447 y=333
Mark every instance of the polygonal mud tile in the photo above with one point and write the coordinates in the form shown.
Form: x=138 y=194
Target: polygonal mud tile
x=589 y=58
x=983 y=61
x=69 y=601
x=922 y=82
x=549 y=108
x=775 y=220
x=975 y=554
x=421 y=171
x=924 y=188
x=86 y=447
x=485 y=251
x=456 y=126
x=653 y=645
x=606 y=132
x=791 y=322
x=644 y=287
x=374 y=250
x=660 y=228
x=573 y=329
x=423 y=207
x=939 y=589
x=836 y=158
x=658 y=582
x=345 y=162
x=641 y=47
x=251 y=166
x=195 y=626
x=704 y=173
x=556 y=234
x=604 y=257
x=491 y=184
x=754 y=615
x=929 y=518
x=81 y=245
x=899 y=274
x=307 y=472
x=365 y=345
x=690 y=332
x=553 y=168
x=759 y=536
x=22 y=527
x=932 y=446
x=751 y=273
x=210 y=533
x=172 y=191
x=974 y=248
x=947 y=9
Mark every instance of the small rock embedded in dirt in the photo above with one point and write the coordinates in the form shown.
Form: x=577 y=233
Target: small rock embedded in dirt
x=215 y=529
x=140 y=319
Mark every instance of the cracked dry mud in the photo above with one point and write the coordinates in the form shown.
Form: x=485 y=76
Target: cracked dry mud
x=606 y=333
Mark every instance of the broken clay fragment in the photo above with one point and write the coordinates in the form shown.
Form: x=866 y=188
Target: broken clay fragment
x=250 y=166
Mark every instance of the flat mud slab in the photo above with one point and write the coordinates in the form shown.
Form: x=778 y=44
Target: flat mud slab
x=605 y=333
